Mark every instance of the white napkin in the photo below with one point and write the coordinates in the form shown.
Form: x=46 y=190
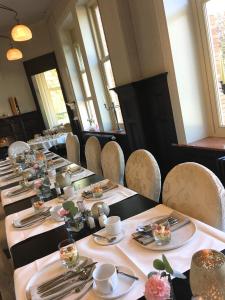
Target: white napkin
x=179 y=258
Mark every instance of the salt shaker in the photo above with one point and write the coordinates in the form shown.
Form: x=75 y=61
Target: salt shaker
x=91 y=222
x=102 y=218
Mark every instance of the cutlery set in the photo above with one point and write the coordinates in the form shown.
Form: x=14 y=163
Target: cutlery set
x=67 y=283
x=31 y=220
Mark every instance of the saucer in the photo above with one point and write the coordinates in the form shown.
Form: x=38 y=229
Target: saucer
x=103 y=242
x=125 y=284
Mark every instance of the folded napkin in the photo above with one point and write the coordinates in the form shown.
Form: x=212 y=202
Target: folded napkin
x=146 y=237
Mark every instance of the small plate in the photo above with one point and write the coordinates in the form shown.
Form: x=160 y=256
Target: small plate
x=103 y=197
x=19 y=191
x=103 y=242
x=125 y=284
x=52 y=270
x=54 y=213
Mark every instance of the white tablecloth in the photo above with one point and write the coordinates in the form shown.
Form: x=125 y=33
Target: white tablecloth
x=128 y=253
x=15 y=235
x=47 y=143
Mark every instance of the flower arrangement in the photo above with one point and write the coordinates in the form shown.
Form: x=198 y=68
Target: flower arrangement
x=73 y=219
x=159 y=284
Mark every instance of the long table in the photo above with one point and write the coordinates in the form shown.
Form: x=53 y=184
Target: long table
x=42 y=247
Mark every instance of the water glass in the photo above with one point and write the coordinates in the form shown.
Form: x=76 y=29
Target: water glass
x=68 y=253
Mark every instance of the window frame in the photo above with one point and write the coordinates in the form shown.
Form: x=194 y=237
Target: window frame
x=210 y=72
x=102 y=58
x=81 y=71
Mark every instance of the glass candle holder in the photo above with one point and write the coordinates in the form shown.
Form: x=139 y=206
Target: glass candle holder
x=38 y=204
x=161 y=233
x=207 y=274
x=68 y=253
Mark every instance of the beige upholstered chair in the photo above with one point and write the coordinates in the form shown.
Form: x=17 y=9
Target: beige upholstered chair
x=73 y=148
x=112 y=159
x=196 y=191
x=93 y=155
x=143 y=174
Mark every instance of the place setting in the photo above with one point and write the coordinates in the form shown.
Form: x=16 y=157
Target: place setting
x=70 y=276
x=112 y=234
x=98 y=191
x=163 y=233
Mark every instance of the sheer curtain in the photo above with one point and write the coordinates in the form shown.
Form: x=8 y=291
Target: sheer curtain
x=45 y=100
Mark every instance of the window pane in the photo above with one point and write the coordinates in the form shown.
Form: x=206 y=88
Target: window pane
x=51 y=78
x=216 y=20
x=115 y=100
x=59 y=107
x=93 y=119
x=109 y=74
x=101 y=31
x=86 y=85
x=79 y=57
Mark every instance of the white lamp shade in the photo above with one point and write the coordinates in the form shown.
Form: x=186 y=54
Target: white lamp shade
x=21 y=33
x=14 y=54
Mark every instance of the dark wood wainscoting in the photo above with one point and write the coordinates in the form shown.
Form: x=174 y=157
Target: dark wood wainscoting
x=148 y=117
x=22 y=127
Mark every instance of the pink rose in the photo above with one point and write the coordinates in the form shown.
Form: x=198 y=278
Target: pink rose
x=157 y=288
x=37 y=184
x=62 y=212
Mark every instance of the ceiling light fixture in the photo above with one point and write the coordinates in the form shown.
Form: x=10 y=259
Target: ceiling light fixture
x=12 y=53
x=20 y=32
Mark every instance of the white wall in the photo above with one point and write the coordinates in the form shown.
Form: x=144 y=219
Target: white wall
x=13 y=81
x=186 y=60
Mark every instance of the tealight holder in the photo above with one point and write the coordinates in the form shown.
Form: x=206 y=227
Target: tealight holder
x=207 y=274
x=161 y=233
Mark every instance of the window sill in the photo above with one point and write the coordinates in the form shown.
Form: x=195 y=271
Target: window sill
x=122 y=132
x=212 y=143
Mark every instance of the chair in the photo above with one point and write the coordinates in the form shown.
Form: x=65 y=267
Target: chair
x=197 y=192
x=93 y=155
x=17 y=148
x=143 y=174
x=73 y=148
x=112 y=160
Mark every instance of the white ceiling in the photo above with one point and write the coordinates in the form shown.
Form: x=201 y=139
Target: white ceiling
x=29 y=12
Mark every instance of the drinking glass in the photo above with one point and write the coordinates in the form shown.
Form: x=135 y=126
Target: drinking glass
x=68 y=253
x=38 y=204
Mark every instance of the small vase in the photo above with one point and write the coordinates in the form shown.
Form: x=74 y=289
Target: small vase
x=74 y=225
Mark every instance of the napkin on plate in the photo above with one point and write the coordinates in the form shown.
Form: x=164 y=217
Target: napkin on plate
x=146 y=237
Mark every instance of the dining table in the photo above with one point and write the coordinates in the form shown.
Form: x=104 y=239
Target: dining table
x=47 y=141
x=34 y=249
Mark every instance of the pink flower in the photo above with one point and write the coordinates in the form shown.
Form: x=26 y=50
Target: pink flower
x=37 y=184
x=157 y=288
x=62 y=212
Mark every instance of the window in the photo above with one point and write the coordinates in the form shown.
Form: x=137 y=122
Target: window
x=88 y=101
x=212 y=26
x=112 y=102
x=50 y=98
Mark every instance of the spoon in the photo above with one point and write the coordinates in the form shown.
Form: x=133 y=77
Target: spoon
x=109 y=240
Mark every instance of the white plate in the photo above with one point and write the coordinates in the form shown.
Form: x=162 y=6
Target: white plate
x=103 y=197
x=17 y=222
x=103 y=242
x=50 y=271
x=125 y=284
x=55 y=215
x=19 y=191
x=179 y=237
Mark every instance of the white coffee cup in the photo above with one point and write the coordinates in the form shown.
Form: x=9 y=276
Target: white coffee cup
x=105 y=278
x=113 y=225
x=68 y=191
